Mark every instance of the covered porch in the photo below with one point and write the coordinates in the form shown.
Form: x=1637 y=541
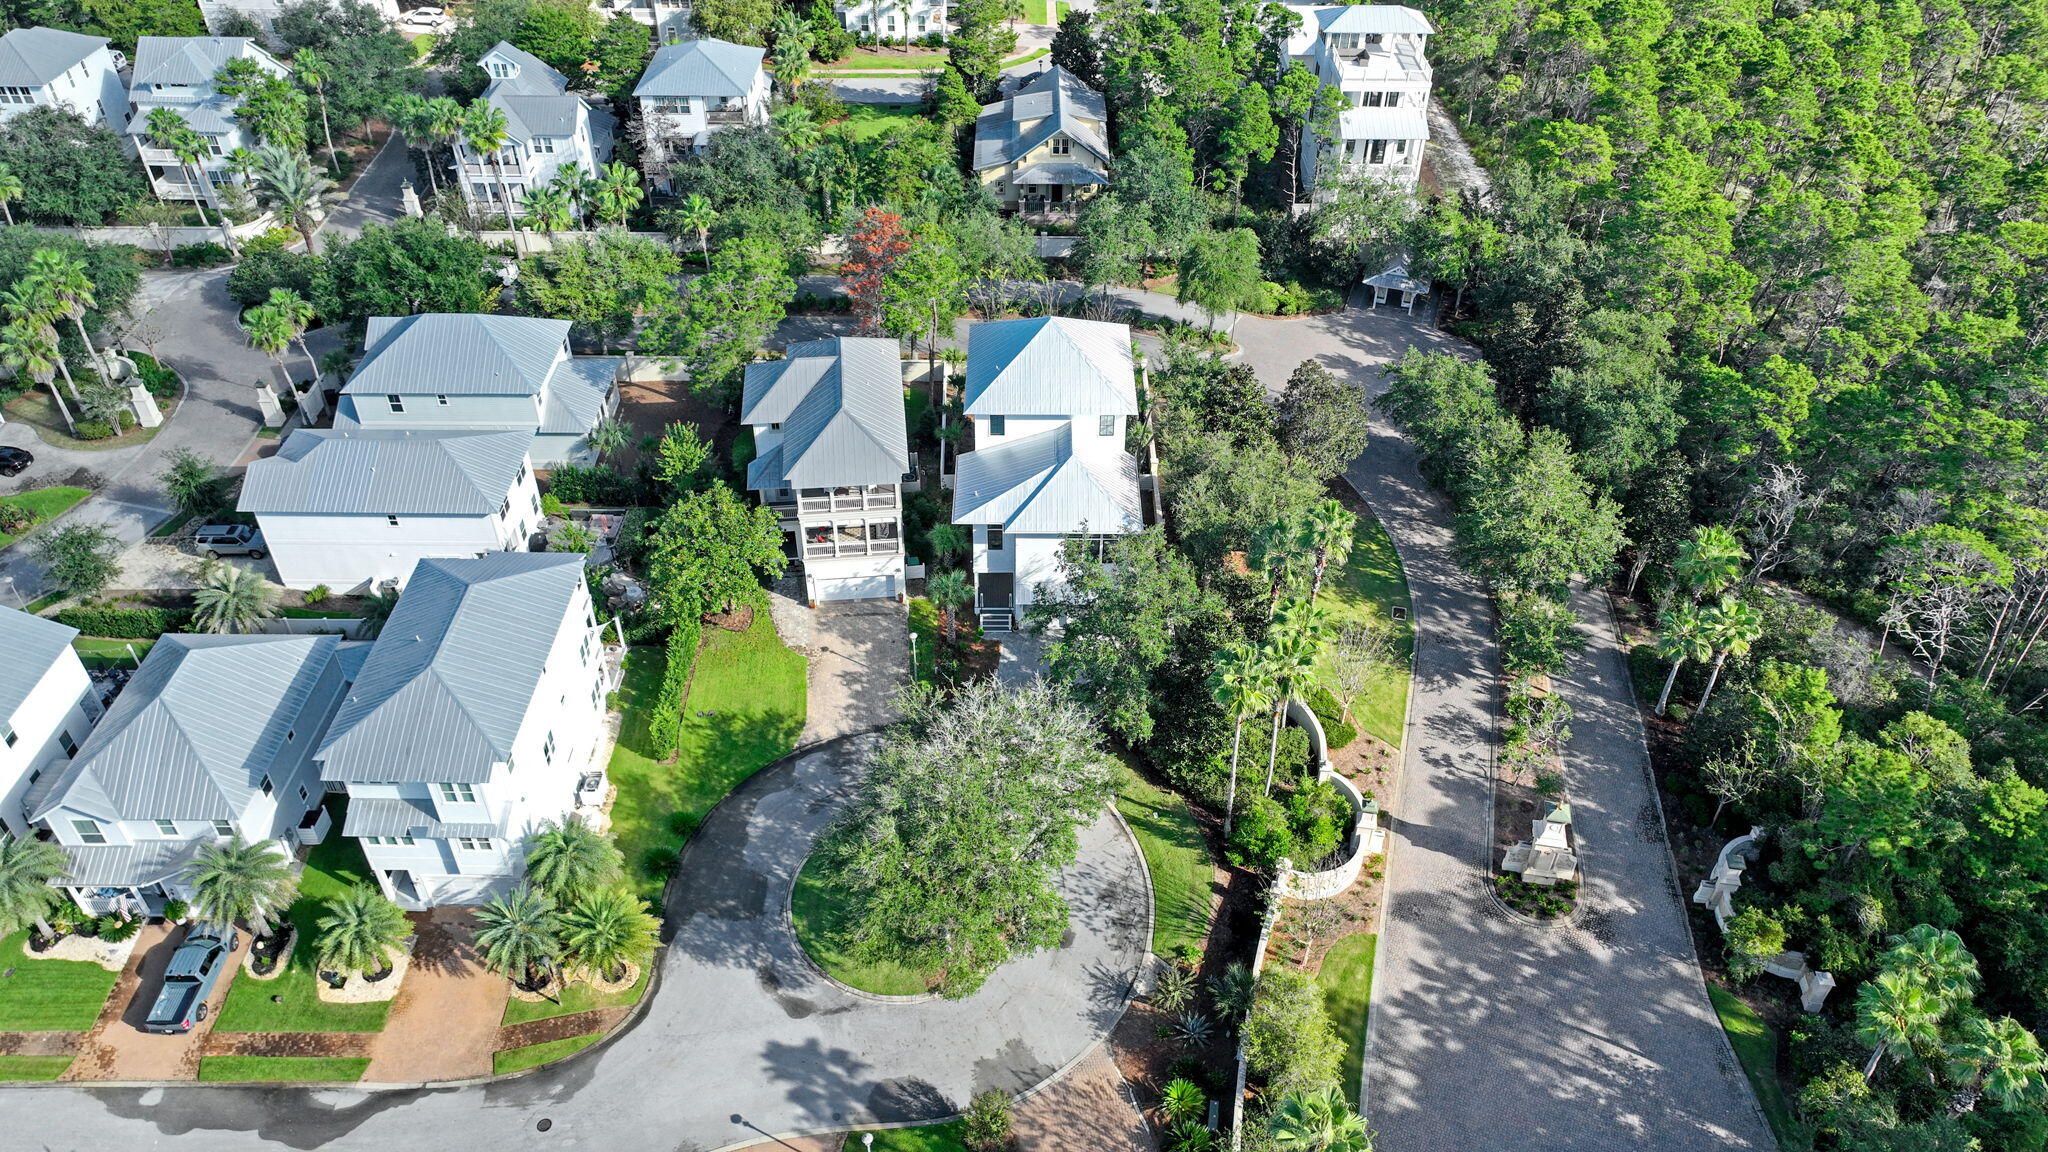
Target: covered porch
x=1055 y=190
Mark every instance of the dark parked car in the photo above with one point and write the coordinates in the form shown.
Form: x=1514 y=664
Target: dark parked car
x=218 y=540
x=194 y=970
x=13 y=460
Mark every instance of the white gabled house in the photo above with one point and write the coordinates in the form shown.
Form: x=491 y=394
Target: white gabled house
x=177 y=72
x=58 y=69
x=212 y=737
x=895 y=19
x=831 y=449
x=1374 y=56
x=47 y=707
x=478 y=716
x=1049 y=400
x=359 y=509
x=547 y=127
x=697 y=88
x=460 y=371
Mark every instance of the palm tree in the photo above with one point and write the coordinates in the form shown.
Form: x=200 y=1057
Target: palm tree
x=1731 y=627
x=549 y=209
x=2000 y=1059
x=485 y=131
x=1683 y=637
x=289 y=185
x=232 y=599
x=1710 y=561
x=31 y=349
x=311 y=73
x=360 y=932
x=608 y=929
x=1182 y=1100
x=270 y=332
x=517 y=932
x=698 y=216
x=1233 y=991
x=64 y=281
x=30 y=303
x=609 y=436
x=1937 y=958
x=950 y=591
x=1894 y=1010
x=26 y=869
x=11 y=189
x=947 y=541
x=577 y=185
x=1330 y=527
x=242 y=881
x=570 y=857
x=1240 y=684
x=792 y=51
x=1292 y=646
x=297 y=312
x=443 y=119
x=618 y=193
x=1318 y=1122
x=169 y=131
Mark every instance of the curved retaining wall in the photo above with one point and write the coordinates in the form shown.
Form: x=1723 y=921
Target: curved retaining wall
x=1322 y=885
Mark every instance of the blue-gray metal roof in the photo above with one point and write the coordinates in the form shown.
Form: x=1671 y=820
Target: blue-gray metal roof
x=405 y=816
x=32 y=57
x=1050 y=103
x=458 y=354
x=1050 y=366
x=704 y=67
x=201 y=723
x=577 y=393
x=1039 y=484
x=531 y=75
x=379 y=472
x=191 y=61
x=536 y=99
x=1382 y=19
x=847 y=426
x=452 y=675
x=129 y=865
x=32 y=645
x=206 y=114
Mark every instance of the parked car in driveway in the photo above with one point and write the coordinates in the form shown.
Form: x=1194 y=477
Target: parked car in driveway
x=424 y=18
x=13 y=460
x=194 y=969
x=218 y=540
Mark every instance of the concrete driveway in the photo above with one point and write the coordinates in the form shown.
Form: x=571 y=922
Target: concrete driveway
x=742 y=1039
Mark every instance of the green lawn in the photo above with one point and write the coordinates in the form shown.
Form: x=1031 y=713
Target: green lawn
x=1346 y=977
x=170 y=527
x=44 y=504
x=578 y=997
x=1178 y=859
x=35 y=410
x=924 y=629
x=745 y=710
x=40 y=1069
x=866 y=121
x=815 y=907
x=331 y=869
x=1369 y=585
x=313 y=1069
x=948 y=1137
x=862 y=58
x=97 y=652
x=1756 y=1045
x=49 y=995
x=535 y=1055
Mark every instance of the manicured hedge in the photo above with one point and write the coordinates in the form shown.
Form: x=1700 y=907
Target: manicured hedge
x=126 y=623
x=665 y=725
x=599 y=485
x=1339 y=733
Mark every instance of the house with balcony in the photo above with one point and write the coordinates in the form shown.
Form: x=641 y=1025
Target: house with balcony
x=213 y=737
x=478 y=717
x=1049 y=401
x=47 y=707
x=1045 y=148
x=831 y=452
x=1374 y=55
x=546 y=128
x=176 y=72
x=360 y=509
x=899 y=20
x=50 y=68
x=461 y=371
x=696 y=89
x=671 y=19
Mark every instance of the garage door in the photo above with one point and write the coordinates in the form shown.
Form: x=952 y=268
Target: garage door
x=856 y=588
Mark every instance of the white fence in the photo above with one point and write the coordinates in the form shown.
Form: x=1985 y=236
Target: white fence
x=163 y=239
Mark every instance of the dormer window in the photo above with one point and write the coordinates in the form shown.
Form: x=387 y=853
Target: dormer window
x=499 y=69
x=1062 y=146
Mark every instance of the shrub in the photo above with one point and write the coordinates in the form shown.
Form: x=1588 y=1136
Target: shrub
x=599 y=485
x=271 y=240
x=318 y=593
x=1338 y=733
x=1261 y=834
x=259 y=272
x=665 y=724
x=1293 y=763
x=14 y=519
x=205 y=254
x=93 y=430
x=1287 y=1036
x=114 y=930
x=550 y=505
x=125 y=623
x=987 y=1122
x=176 y=910
x=1318 y=816
x=161 y=381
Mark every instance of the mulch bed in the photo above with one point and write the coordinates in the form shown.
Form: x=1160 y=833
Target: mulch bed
x=289 y=1043
x=650 y=406
x=560 y=1027
x=39 y=1043
x=738 y=620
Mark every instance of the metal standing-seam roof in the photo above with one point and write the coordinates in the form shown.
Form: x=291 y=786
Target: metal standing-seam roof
x=205 y=114
x=383 y=472
x=129 y=865
x=458 y=354
x=536 y=99
x=1383 y=124
x=401 y=816
x=451 y=677
x=1052 y=102
x=1039 y=484
x=846 y=427
x=577 y=394
x=1368 y=19
x=191 y=61
x=704 y=67
x=33 y=645
x=32 y=57
x=201 y=723
x=1050 y=366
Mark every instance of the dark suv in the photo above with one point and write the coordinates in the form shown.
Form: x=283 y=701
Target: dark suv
x=218 y=540
x=13 y=461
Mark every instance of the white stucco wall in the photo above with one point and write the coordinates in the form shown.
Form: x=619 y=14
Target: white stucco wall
x=61 y=701
x=348 y=553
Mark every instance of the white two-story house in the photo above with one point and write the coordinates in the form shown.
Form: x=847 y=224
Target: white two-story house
x=831 y=449
x=57 y=69
x=212 y=738
x=359 y=509
x=479 y=716
x=1049 y=400
x=671 y=19
x=1045 y=148
x=1374 y=55
x=47 y=707
x=546 y=128
x=697 y=88
x=176 y=72
x=460 y=371
x=895 y=19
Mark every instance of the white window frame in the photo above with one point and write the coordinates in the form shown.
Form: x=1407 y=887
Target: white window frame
x=457 y=793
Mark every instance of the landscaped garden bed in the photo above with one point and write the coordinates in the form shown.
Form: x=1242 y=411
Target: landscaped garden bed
x=23 y=512
x=571 y=999
x=546 y=1052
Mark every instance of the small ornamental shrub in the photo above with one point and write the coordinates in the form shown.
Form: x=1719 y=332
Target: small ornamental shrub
x=176 y=910
x=93 y=430
x=114 y=930
x=318 y=593
x=14 y=519
x=125 y=623
x=987 y=1122
x=205 y=254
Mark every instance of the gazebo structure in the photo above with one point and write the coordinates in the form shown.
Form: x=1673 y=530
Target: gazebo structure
x=1393 y=282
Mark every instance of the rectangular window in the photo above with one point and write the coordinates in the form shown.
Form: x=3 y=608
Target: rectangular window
x=544 y=144
x=1061 y=146
x=473 y=844
x=397 y=402
x=1400 y=147
x=995 y=538
x=392 y=519
x=1393 y=99
x=7 y=735
x=88 y=832
x=1105 y=425
x=17 y=96
x=458 y=794
x=303 y=794
x=501 y=70
x=223 y=828
x=996 y=425
x=167 y=827
x=441 y=400
x=1376 y=152
x=65 y=741
x=1370 y=99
